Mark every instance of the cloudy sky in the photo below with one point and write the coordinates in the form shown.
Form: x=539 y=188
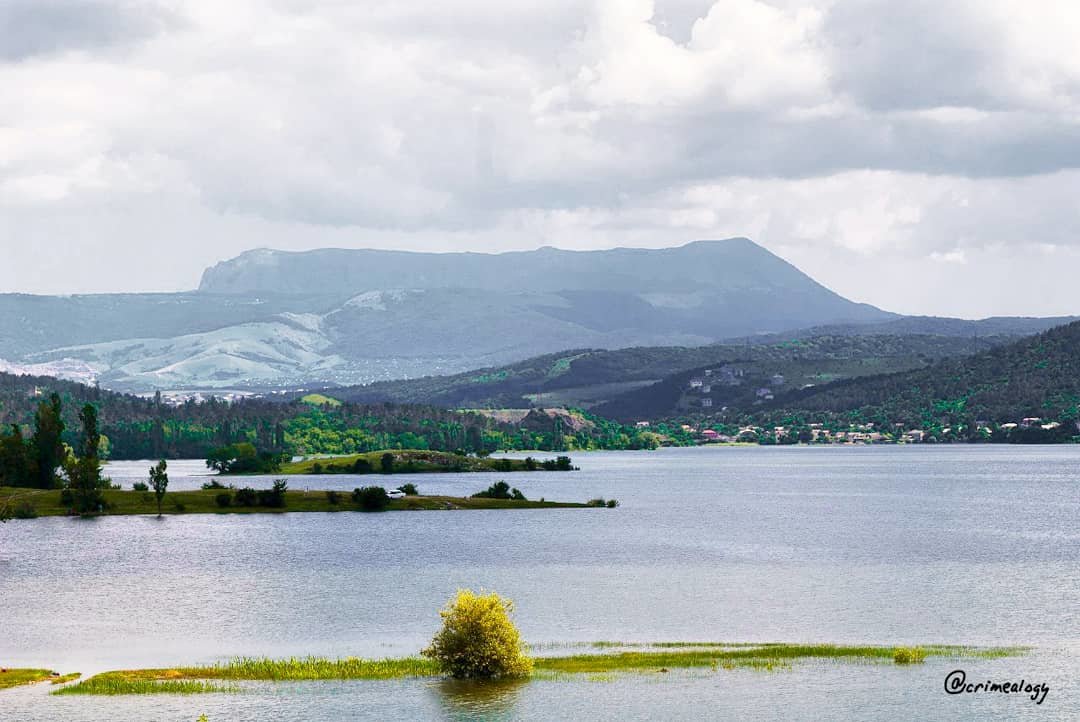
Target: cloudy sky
x=922 y=156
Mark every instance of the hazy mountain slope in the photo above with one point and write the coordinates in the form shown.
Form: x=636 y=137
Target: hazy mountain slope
x=378 y=314
x=708 y=288
x=289 y=347
x=31 y=324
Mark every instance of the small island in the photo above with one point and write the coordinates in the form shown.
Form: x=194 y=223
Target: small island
x=409 y=461
x=32 y=503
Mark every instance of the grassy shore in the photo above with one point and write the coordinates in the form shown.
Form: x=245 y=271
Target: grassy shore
x=126 y=502
x=17 y=677
x=412 y=462
x=642 y=658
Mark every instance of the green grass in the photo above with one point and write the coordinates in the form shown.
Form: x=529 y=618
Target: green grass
x=126 y=502
x=313 y=668
x=320 y=400
x=17 y=677
x=406 y=461
x=652 y=658
x=112 y=684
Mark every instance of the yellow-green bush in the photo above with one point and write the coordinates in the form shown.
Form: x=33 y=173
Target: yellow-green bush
x=478 y=640
x=909 y=655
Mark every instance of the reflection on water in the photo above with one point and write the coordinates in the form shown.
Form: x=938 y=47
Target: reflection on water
x=468 y=699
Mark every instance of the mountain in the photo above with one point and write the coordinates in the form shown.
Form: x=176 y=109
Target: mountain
x=620 y=381
x=270 y=319
x=1038 y=376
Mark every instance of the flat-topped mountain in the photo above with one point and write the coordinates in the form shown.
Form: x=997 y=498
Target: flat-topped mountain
x=271 y=319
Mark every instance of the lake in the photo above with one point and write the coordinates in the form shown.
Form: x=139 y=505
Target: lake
x=891 y=545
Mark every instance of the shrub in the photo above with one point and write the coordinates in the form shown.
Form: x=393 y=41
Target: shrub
x=386 y=463
x=246 y=497
x=316 y=468
x=530 y=463
x=24 y=510
x=224 y=499
x=140 y=486
x=611 y=504
x=67 y=496
x=361 y=466
x=371 y=498
x=909 y=655
x=274 y=497
x=596 y=502
x=333 y=498
x=214 y=484
x=408 y=489
x=178 y=507
x=559 y=463
x=498 y=490
x=478 y=640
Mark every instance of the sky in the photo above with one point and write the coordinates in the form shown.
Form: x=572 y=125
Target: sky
x=921 y=156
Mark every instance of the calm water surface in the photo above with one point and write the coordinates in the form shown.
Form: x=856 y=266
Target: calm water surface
x=972 y=545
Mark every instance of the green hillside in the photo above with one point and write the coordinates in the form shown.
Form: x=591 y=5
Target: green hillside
x=1035 y=377
x=591 y=378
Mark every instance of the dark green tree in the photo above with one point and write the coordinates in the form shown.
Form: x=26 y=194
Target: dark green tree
x=48 y=448
x=159 y=482
x=84 y=472
x=386 y=463
x=15 y=462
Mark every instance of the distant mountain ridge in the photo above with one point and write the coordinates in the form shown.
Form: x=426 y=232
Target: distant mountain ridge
x=270 y=320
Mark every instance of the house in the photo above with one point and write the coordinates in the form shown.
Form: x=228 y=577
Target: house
x=642 y=424
x=706 y=389
x=915 y=436
x=1029 y=421
x=777 y=380
x=696 y=383
x=706 y=403
x=764 y=393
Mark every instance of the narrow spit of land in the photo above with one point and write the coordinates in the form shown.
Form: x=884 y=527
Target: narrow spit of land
x=602 y=658
x=18 y=677
x=412 y=461
x=122 y=502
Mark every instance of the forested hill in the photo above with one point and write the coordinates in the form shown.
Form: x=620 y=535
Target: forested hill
x=1038 y=376
x=140 y=428
x=588 y=378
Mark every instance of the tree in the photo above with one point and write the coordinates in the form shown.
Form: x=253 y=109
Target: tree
x=478 y=640
x=159 y=482
x=15 y=462
x=48 y=448
x=371 y=498
x=386 y=463
x=84 y=472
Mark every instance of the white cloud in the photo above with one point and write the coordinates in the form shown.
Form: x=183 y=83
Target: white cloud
x=857 y=138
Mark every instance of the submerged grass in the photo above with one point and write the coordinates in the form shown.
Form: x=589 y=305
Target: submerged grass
x=313 y=668
x=601 y=667
x=113 y=684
